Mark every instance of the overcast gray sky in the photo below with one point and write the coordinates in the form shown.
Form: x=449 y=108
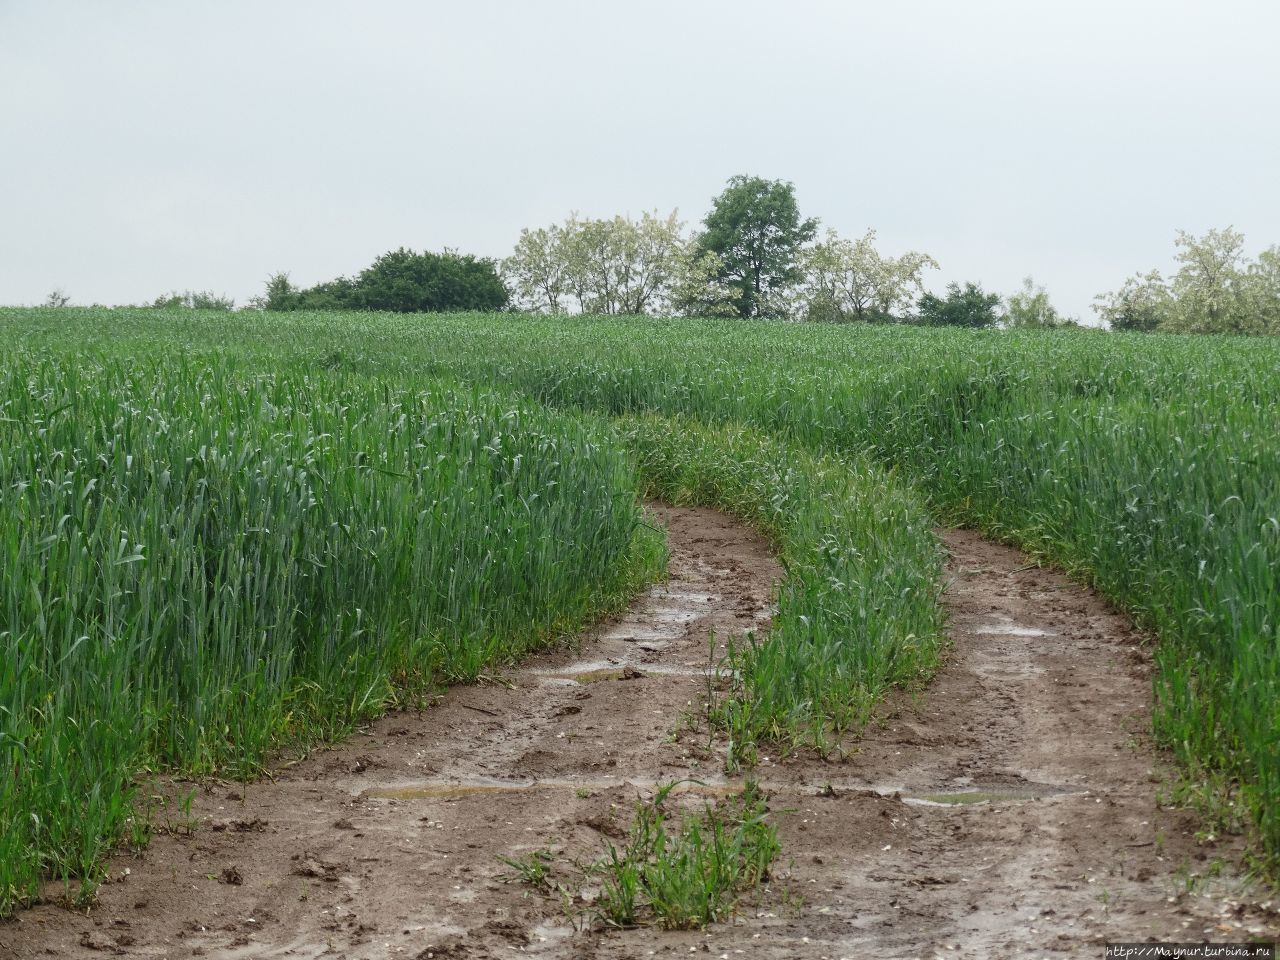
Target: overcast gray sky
x=147 y=146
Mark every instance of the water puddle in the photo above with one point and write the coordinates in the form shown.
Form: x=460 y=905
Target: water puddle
x=687 y=595
x=454 y=790
x=999 y=793
x=631 y=632
x=1012 y=630
x=672 y=615
x=481 y=786
x=594 y=676
x=966 y=798
x=445 y=791
x=595 y=671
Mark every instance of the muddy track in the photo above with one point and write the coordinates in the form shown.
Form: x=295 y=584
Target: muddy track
x=1008 y=811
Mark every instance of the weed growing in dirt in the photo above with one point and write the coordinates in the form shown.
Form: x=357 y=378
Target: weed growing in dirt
x=686 y=872
x=533 y=868
x=677 y=870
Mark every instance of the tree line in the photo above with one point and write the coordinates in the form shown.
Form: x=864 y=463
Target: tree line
x=755 y=256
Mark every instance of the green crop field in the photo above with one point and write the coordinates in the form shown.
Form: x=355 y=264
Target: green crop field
x=227 y=533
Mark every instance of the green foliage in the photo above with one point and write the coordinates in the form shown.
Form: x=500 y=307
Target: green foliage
x=206 y=556
x=1141 y=305
x=755 y=230
x=686 y=872
x=681 y=870
x=750 y=261
x=533 y=868
x=1146 y=466
x=858 y=611
x=852 y=281
x=611 y=267
x=403 y=281
x=193 y=300
x=1030 y=309
x=539 y=270
x=280 y=294
x=341 y=293
x=400 y=281
x=962 y=307
x=1263 y=290
x=1216 y=289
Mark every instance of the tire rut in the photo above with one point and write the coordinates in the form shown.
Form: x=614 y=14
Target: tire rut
x=1007 y=811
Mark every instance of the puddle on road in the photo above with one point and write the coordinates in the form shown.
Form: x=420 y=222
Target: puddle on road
x=1012 y=630
x=665 y=620
x=969 y=796
x=641 y=631
x=1000 y=793
x=672 y=615
x=690 y=595
x=595 y=676
x=480 y=787
x=594 y=671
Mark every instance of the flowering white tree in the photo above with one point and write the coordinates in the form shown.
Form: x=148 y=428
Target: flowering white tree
x=1030 y=308
x=537 y=269
x=1216 y=289
x=851 y=280
x=620 y=265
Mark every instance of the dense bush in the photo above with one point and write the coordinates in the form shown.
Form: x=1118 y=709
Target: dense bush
x=400 y=281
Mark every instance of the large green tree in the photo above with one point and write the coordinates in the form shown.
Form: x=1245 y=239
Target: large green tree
x=756 y=232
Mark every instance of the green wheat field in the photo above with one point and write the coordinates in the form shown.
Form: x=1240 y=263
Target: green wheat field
x=227 y=536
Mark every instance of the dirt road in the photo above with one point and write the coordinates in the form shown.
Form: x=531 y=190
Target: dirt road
x=1009 y=811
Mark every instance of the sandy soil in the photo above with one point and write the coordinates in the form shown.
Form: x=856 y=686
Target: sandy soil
x=1008 y=811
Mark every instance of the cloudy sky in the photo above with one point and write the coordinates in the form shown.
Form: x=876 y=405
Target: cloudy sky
x=148 y=146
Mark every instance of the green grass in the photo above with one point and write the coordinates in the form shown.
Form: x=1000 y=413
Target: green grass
x=679 y=870
x=686 y=872
x=858 y=609
x=202 y=561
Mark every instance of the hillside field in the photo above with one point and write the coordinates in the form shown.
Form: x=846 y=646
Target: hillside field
x=227 y=535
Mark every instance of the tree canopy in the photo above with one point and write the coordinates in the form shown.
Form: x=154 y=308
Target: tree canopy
x=1216 y=289
x=613 y=266
x=756 y=232
x=967 y=306
x=850 y=280
x=400 y=281
x=1031 y=309
x=194 y=300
